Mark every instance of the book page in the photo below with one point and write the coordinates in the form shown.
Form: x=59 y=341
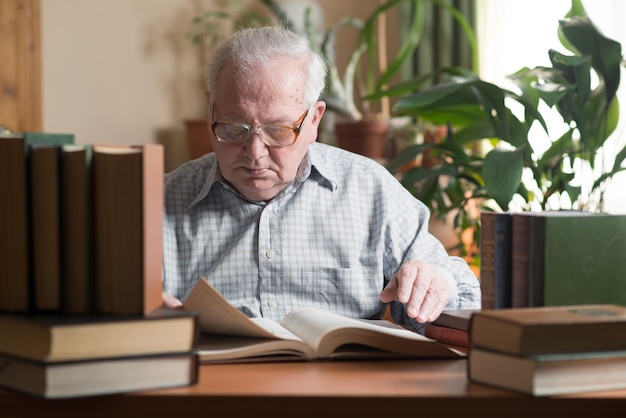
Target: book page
x=226 y=348
x=217 y=316
x=273 y=328
x=327 y=332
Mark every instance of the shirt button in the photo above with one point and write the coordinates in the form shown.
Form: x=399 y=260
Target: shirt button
x=270 y=254
x=272 y=303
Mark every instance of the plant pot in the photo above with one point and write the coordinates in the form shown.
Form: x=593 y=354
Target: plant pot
x=198 y=139
x=369 y=137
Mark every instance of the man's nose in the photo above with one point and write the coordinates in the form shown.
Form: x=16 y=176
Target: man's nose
x=254 y=146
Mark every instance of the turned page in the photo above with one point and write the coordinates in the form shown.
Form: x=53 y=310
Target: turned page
x=217 y=316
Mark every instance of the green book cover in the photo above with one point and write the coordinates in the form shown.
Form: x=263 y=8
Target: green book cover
x=577 y=258
x=47 y=138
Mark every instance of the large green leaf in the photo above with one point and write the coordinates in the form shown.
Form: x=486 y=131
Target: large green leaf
x=458 y=101
x=453 y=86
x=606 y=54
x=502 y=171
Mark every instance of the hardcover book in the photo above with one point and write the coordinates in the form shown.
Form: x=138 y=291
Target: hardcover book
x=304 y=334
x=550 y=330
x=577 y=258
x=457 y=319
x=16 y=287
x=520 y=273
x=97 y=376
x=14 y=233
x=546 y=375
x=451 y=327
x=45 y=221
x=76 y=233
x=60 y=337
x=128 y=242
x=495 y=260
x=446 y=335
x=565 y=258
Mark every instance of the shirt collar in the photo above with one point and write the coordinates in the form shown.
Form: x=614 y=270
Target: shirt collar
x=319 y=167
x=213 y=177
x=313 y=167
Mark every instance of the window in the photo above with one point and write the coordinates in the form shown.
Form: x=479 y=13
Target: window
x=517 y=33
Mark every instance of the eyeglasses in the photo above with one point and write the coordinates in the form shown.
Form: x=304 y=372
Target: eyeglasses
x=275 y=136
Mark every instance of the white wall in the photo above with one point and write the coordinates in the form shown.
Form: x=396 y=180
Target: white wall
x=120 y=71
x=517 y=33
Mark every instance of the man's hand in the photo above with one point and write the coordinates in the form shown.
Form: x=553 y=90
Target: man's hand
x=170 y=301
x=421 y=287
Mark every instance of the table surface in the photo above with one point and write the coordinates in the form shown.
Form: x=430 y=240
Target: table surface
x=347 y=388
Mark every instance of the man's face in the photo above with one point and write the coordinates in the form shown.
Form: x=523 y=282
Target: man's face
x=270 y=96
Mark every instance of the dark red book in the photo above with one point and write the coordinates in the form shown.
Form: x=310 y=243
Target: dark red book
x=447 y=335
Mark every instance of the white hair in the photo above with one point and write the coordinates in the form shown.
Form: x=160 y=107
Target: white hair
x=250 y=48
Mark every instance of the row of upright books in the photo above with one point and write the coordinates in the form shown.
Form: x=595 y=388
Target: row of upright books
x=80 y=226
x=552 y=258
x=80 y=271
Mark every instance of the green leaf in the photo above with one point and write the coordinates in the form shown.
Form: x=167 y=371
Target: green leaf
x=606 y=53
x=559 y=147
x=502 y=172
x=407 y=155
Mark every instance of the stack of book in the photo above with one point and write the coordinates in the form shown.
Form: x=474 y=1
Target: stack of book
x=552 y=258
x=62 y=356
x=549 y=350
x=80 y=271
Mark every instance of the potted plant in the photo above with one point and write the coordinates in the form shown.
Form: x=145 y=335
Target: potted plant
x=350 y=95
x=487 y=149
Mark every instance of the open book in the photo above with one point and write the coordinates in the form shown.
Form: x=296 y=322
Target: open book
x=304 y=334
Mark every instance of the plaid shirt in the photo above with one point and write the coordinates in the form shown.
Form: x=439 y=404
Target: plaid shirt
x=332 y=239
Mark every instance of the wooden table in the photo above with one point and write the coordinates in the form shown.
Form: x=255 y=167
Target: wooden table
x=324 y=389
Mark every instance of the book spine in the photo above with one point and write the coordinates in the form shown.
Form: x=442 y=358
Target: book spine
x=447 y=335
x=14 y=235
x=76 y=255
x=536 y=260
x=502 y=261
x=520 y=289
x=45 y=221
x=128 y=205
x=487 y=259
x=117 y=232
x=152 y=173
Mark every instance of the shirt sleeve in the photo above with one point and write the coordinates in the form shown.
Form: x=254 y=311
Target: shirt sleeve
x=408 y=238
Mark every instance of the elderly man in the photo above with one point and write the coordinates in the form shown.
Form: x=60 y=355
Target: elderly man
x=277 y=221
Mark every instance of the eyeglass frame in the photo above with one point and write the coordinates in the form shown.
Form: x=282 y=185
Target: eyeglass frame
x=258 y=129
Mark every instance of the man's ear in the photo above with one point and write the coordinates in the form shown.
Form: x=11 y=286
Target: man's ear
x=319 y=109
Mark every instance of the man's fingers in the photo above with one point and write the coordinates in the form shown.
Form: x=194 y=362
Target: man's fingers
x=431 y=305
x=390 y=291
x=170 y=301
x=407 y=277
x=415 y=302
x=420 y=287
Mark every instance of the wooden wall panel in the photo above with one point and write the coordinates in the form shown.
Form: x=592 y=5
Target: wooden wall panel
x=20 y=65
